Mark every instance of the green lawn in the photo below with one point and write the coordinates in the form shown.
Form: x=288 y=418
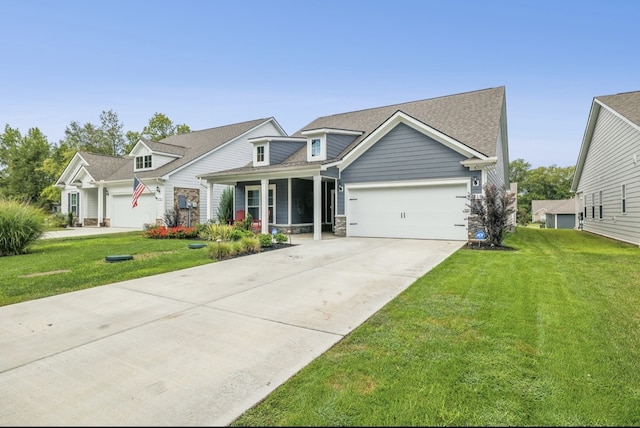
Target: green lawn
x=547 y=335
x=54 y=266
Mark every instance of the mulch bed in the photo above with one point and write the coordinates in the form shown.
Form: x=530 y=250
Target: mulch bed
x=487 y=246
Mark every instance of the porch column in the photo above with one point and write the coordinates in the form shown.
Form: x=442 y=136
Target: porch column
x=264 y=205
x=317 y=207
x=100 y=204
x=209 y=200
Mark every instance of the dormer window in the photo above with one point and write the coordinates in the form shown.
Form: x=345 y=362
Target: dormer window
x=260 y=154
x=143 y=162
x=316 y=145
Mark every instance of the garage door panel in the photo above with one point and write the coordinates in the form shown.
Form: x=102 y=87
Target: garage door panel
x=123 y=215
x=420 y=212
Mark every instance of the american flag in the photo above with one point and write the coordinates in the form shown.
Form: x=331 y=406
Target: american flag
x=138 y=188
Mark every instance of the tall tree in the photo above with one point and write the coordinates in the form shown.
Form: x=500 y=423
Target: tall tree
x=112 y=130
x=22 y=158
x=541 y=183
x=158 y=128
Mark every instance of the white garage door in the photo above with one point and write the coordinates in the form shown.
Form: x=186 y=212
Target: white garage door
x=122 y=215
x=418 y=212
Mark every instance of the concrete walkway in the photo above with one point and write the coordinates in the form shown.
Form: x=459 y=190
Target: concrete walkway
x=200 y=346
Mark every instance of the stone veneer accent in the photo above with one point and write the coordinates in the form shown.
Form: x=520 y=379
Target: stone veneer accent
x=341 y=225
x=191 y=195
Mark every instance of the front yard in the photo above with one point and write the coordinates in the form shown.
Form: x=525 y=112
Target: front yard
x=548 y=335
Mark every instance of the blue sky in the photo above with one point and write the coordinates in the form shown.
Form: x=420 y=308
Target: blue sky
x=212 y=63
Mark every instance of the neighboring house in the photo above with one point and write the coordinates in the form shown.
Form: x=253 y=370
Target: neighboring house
x=555 y=214
x=98 y=188
x=401 y=171
x=607 y=177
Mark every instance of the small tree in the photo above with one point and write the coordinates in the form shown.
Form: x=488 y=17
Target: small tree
x=493 y=211
x=225 y=209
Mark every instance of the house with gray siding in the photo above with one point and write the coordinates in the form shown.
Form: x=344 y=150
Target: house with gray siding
x=98 y=189
x=607 y=178
x=554 y=214
x=398 y=171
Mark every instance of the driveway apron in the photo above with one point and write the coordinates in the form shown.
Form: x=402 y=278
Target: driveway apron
x=197 y=346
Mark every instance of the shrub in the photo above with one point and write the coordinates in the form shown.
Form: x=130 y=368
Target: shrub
x=222 y=250
x=493 y=212
x=215 y=231
x=20 y=225
x=281 y=238
x=237 y=233
x=265 y=240
x=250 y=244
x=163 y=232
x=57 y=220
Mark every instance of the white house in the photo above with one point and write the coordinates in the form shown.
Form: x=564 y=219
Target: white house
x=98 y=189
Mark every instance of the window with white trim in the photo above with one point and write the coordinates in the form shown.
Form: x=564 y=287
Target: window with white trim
x=600 y=205
x=259 y=153
x=623 y=199
x=316 y=147
x=143 y=162
x=253 y=200
x=73 y=203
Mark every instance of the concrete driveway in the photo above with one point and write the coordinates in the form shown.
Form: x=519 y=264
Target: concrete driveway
x=198 y=346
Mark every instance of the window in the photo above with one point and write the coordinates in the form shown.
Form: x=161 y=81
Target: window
x=143 y=162
x=623 y=199
x=73 y=203
x=593 y=205
x=252 y=199
x=586 y=202
x=260 y=154
x=600 y=205
x=315 y=147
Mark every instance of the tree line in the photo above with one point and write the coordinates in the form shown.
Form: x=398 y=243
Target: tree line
x=30 y=164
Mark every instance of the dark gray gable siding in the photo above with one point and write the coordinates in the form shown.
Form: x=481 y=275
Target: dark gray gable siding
x=332 y=172
x=405 y=154
x=280 y=150
x=337 y=143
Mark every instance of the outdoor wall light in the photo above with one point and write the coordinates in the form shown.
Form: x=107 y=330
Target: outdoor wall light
x=475 y=181
x=340 y=188
x=157 y=189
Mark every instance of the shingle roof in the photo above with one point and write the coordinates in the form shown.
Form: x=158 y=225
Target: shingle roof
x=190 y=146
x=558 y=206
x=199 y=143
x=627 y=104
x=472 y=118
x=104 y=167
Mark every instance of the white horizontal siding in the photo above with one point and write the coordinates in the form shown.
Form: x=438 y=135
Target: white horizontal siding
x=608 y=165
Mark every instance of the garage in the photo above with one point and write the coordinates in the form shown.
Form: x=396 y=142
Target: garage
x=435 y=211
x=125 y=216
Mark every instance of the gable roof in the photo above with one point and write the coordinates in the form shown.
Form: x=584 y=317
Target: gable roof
x=470 y=118
x=625 y=105
x=199 y=143
x=551 y=206
x=190 y=147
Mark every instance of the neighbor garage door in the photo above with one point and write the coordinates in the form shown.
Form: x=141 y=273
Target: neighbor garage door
x=419 y=212
x=122 y=215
